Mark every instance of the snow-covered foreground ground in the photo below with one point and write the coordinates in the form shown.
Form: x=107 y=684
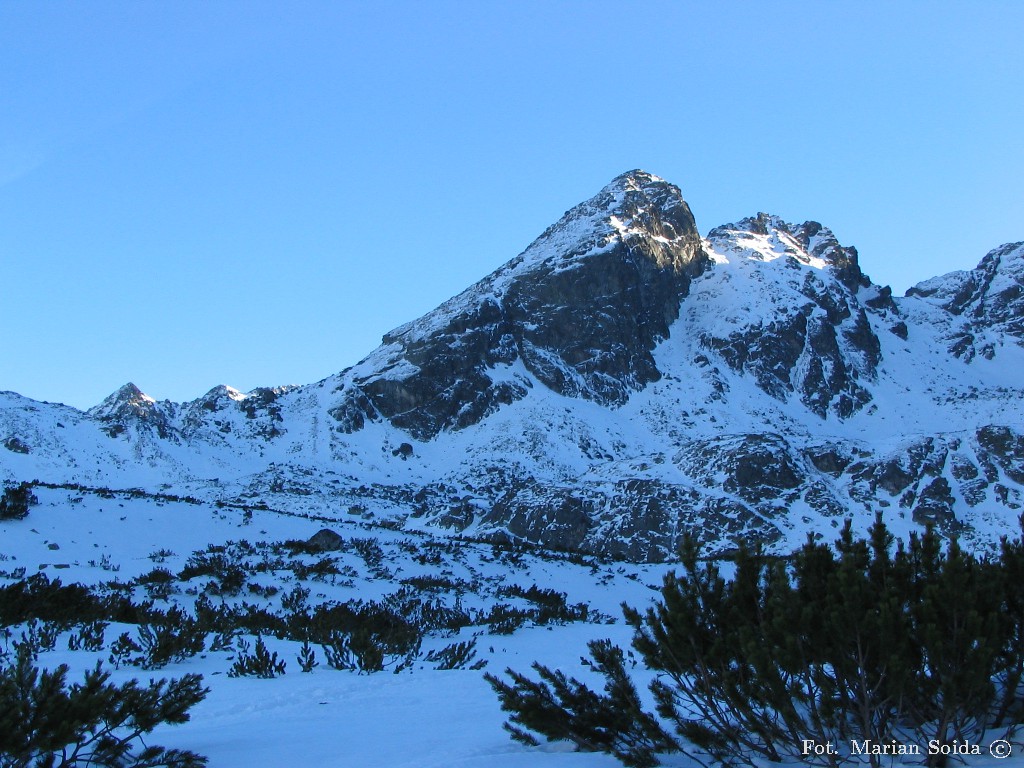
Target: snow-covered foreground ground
x=419 y=717
x=330 y=718
x=423 y=716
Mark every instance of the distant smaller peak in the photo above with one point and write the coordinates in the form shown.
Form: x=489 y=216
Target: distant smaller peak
x=127 y=399
x=1000 y=271
x=130 y=393
x=217 y=398
x=223 y=390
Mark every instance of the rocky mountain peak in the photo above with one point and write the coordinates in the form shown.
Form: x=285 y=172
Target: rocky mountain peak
x=636 y=179
x=636 y=209
x=221 y=392
x=799 y=316
x=582 y=309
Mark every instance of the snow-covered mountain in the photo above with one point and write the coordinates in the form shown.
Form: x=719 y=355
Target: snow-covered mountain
x=621 y=382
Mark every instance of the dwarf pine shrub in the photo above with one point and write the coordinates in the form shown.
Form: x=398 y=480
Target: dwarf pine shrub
x=918 y=642
x=46 y=722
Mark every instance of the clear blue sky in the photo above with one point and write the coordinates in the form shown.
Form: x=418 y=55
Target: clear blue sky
x=195 y=193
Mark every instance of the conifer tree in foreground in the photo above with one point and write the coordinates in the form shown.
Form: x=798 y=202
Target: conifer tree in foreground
x=861 y=642
x=16 y=500
x=44 y=722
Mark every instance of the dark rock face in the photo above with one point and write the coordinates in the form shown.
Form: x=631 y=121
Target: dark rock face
x=753 y=467
x=447 y=384
x=640 y=520
x=747 y=487
x=600 y=316
x=559 y=517
x=895 y=474
x=935 y=506
x=829 y=459
x=730 y=488
x=1006 y=449
x=582 y=309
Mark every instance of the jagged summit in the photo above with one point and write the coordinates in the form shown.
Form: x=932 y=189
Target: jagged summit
x=796 y=314
x=636 y=209
x=221 y=391
x=636 y=178
x=130 y=405
x=768 y=236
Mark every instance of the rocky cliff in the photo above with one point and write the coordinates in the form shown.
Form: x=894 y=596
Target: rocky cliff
x=582 y=308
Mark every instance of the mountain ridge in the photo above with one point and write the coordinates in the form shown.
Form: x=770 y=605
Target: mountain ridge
x=620 y=383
